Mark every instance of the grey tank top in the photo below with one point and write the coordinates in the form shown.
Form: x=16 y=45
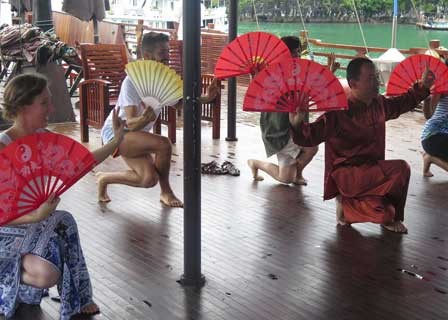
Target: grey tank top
x=5 y=139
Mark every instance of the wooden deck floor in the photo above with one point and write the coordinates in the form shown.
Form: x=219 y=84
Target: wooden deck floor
x=269 y=251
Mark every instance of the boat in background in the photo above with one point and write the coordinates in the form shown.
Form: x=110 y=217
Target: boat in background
x=166 y=14
x=433 y=24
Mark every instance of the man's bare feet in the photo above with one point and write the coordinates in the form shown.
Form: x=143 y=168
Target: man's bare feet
x=102 y=188
x=170 y=200
x=395 y=226
x=254 y=169
x=300 y=181
x=90 y=309
x=340 y=212
x=426 y=165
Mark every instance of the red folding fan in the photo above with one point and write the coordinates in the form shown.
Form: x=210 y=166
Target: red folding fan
x=292 y=83
x=411 y=69
x=250 y=53
x=34 y=167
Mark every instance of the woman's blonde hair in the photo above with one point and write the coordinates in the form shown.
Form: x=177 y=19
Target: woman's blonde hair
x=20 y=92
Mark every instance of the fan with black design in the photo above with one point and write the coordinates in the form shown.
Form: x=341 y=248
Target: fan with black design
x=36 y=166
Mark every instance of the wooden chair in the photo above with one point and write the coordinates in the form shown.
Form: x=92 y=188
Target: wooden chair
x=167 y=117
x=104 y=71
x=176 y=51
x=169 y=114
x=212 y=111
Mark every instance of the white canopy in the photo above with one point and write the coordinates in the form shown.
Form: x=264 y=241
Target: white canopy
x=387 y=62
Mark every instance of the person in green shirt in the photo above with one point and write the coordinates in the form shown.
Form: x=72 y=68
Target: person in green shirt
x=292 y=159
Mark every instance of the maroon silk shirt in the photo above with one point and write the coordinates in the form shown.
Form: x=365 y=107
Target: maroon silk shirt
x=355 y=137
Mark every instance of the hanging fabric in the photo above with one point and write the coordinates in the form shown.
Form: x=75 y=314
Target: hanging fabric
x=21 y=5
x=85 y=9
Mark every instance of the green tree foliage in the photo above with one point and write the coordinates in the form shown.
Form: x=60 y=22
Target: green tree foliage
x=337 y=8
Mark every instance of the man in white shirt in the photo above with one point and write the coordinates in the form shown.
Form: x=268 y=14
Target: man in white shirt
x=148 y=155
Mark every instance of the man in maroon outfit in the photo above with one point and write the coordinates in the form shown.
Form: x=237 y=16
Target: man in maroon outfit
x=368 y=188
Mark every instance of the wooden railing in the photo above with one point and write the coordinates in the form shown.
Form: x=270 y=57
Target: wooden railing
x=361 y=51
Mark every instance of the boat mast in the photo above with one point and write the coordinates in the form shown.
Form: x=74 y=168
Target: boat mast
x=394 y=25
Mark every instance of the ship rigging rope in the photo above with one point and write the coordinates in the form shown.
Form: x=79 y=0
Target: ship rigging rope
x=310 y=52
x=301 y=19
x=255 y=14
x=424 y=33
x=360 y=27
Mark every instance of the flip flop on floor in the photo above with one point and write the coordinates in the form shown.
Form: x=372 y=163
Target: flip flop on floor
x=212 y=167
x=230 y=168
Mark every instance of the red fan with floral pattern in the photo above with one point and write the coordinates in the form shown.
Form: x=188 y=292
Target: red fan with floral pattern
x=292 y=83
x=407 y=72
x=36 y=166
x=250 y=53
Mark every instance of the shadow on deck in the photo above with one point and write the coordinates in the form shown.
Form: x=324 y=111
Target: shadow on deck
x=269 y=251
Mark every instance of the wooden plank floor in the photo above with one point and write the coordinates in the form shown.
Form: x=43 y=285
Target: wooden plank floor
x=269 y=251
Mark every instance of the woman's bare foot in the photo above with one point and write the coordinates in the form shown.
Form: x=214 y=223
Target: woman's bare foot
x=426 y=165
x=395 y=226
x=90 y=309
x=254 y=169
x=170 y=200
x=340 y=212
x=102 y=188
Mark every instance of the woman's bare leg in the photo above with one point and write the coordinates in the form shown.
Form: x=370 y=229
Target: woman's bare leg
x=38 y=272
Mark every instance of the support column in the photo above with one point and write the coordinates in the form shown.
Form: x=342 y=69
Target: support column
x=42 y=15
x=192 y=144
x=231 y=92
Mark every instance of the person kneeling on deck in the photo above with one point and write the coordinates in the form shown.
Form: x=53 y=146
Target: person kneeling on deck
x=292 y=159
x=148 y=155
x=367 y=187
x=435 y=133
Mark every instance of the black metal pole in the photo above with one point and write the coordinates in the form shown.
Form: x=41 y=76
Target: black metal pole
x=231 y=92
x=42 y=15
x=192 y=144
x=96 y=36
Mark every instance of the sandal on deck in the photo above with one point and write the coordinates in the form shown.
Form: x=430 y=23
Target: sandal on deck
x=230 y=168
x=212 y=168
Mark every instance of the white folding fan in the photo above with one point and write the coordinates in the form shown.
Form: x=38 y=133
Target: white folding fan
x=156 y=84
